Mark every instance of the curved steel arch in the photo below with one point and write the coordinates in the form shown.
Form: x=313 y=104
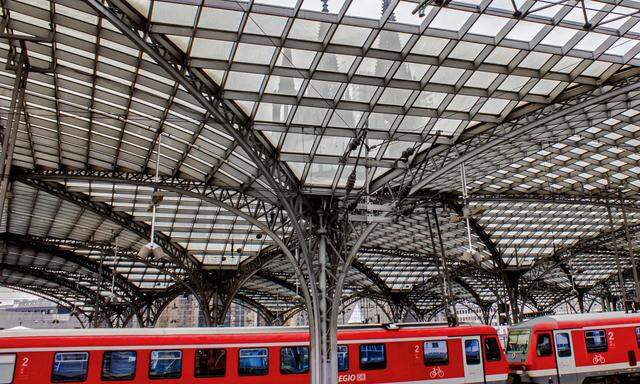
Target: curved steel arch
x=37 y=243
x=73 y=309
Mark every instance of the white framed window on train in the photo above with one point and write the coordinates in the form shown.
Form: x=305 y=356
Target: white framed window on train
x=596 y=340
x=119 y=365
x=165 y=364
x=373 y=356
x=638 y=336
x=436 y=352
x=294 y=360
x=210 y=363
x=253 y=362
x=343 y=358
x=7 y=366
x=563 y=344
x=70 y=367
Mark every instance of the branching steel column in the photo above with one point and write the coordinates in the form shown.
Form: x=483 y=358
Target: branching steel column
x=12 y=127
x=632 y=255
x=623 y=289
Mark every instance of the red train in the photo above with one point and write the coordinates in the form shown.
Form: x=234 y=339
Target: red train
x=398 y=354
x=576 y=349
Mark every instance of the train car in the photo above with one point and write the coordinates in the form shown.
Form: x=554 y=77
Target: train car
x=392 y=354
x=575 y=349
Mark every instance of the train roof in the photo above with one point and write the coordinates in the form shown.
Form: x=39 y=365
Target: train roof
x=580 y=320
x=231 y=331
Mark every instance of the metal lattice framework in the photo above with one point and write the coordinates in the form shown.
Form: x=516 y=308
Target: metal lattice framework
x=314 y=150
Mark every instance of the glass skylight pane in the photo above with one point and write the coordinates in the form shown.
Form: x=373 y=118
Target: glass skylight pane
x=273 y=112
x=403 y=14
x=391 y=41
x=332 y=62
x=413 y=123
x=253 y=53
x=488 y=25
x=321 y=174
x=359 y=92
x=524 y=31
x=298 y=143
x=466 y=51
x=350 y=35
x=447 y=75
x=428 y=99
x=462 y=103
x=429 y=46
x=260 y=24
x=501 y=55
x=535 y=60
x=395 y=96
x=345 y=118
x=173 y=13
x=381 y=121
x=374 y=67
x=364 y=9
x=308 y=30
x=211 y=49
x=309 y=115
x=331 y=145
x=284 y=85
x=411 y=71
x=295 y=58
x=221 y=19
x=481 y=79
x=450 y=19
x=591 y=41
x=322 y=89
x=241 y=81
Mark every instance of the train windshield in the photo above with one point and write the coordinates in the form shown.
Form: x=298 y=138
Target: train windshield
x=517 y=344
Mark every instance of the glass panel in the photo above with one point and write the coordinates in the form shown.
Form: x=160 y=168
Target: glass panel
x=165 y=364
x=543 y=346
x=563 y=344
x=372 y=356
x=595 y=340
x=472 y=351
x=436 y=353
x=254 y=361
x=7 y=365
x=118 y=365
x=294 y=360
x=70 y=366
x=492 y=349
x=210 y=363
x=343 y=358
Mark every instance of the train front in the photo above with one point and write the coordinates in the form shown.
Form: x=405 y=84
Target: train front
x=518 y=356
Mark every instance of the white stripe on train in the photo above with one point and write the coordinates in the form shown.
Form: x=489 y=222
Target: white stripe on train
x=585 y=369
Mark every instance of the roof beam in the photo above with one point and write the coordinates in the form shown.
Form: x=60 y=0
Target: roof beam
x=178 y=254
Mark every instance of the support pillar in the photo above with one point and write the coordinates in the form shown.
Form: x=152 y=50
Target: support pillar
x=511 y=281
x=12 y=126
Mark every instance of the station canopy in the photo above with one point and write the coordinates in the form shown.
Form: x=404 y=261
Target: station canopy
x=535 y=103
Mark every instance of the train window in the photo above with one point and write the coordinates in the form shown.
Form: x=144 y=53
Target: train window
x=543 y=346
x=118 y=365
x=343 y=358
x=70 y=366
x=518 y=341
x=596 y=340
x=7 y=365
x=472 y=351
x=253 y=361
x=492 y=349
x=294 y=360
x=165 y=364
x=210 y=363
x=373 y=356
x=638 y=336
x=563 y=345
x=435 y=352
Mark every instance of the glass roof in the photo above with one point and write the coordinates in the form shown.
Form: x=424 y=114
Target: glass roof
x=313 y=77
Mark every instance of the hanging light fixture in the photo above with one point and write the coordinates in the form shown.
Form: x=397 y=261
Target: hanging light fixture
x=470 y=254
x=152 y=248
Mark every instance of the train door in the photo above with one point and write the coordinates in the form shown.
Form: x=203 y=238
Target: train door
x=473 y=367
x=565 y=360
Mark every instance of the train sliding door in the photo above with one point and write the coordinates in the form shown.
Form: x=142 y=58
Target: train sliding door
x=473 y=367
x=565 y=360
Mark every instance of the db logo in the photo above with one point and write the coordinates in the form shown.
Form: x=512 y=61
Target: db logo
x=351 y=378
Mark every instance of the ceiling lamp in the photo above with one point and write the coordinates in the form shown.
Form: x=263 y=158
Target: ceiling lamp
x=152 y=248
